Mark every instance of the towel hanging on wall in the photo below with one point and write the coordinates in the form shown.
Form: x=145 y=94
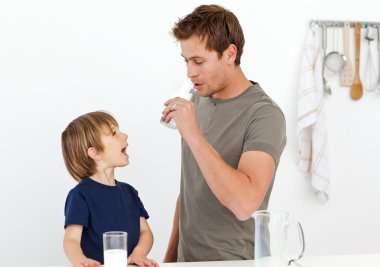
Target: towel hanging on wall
x=311 y=123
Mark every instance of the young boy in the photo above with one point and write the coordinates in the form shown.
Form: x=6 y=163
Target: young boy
x=92 y=147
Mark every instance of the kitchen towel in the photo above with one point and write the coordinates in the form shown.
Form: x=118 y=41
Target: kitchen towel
x=311 y=123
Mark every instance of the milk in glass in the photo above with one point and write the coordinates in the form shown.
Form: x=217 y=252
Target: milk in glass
x=115 y=258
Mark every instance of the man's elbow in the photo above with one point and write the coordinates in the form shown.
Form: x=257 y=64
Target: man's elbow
x=243 y=211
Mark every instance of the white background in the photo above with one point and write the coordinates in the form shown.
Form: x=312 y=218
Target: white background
x=60 y=59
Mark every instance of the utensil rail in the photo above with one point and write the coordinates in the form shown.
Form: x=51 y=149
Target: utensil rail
x=340 y=23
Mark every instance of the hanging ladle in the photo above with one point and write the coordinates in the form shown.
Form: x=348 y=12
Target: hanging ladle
x=334 y=60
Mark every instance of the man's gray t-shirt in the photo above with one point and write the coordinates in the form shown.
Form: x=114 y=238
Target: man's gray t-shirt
x=249 y=122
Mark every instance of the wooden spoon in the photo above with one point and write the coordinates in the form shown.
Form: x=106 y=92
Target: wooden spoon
x=357 y=87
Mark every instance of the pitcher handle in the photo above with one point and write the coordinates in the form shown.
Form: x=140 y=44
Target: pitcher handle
x=302 y=240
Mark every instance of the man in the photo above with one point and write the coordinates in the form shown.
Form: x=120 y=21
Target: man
x=232 y=137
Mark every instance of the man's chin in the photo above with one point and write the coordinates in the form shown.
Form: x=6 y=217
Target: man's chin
x=203 y=93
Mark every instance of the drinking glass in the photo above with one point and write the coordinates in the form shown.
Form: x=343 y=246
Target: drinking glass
x=272 y=239
x=185 y=91
x=115 y=249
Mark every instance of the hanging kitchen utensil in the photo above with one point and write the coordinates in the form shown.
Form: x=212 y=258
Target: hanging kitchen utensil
x=326 y=87
x=370 y=77
x=334 y=60
x=357 y=88
x=347 y=73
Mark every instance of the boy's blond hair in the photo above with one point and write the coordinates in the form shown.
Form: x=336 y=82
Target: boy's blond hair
x=81 y=134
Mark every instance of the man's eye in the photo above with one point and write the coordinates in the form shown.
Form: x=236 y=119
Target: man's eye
x=198 y=62
x=113 y=133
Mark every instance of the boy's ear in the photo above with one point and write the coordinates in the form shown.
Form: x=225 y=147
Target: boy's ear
x=92 y=153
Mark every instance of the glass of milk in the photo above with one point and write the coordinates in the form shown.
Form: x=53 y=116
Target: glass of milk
x=185 y=91
x=115 y=249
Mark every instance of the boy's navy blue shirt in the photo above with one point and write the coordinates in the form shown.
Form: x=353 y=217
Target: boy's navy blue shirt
x=101 y=208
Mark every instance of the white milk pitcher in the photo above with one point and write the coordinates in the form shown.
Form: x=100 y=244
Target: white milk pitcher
x=271 y=239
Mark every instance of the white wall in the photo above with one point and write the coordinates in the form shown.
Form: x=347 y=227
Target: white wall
x=60 y=59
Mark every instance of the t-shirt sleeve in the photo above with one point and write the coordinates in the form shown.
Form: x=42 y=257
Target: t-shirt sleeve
x=143 y=212
x=76 y=209
x=266 y=132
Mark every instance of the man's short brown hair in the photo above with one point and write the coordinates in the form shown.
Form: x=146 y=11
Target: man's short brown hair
x=215 y=24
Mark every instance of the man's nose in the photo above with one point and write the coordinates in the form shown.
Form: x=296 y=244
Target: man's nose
x=191 y=71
